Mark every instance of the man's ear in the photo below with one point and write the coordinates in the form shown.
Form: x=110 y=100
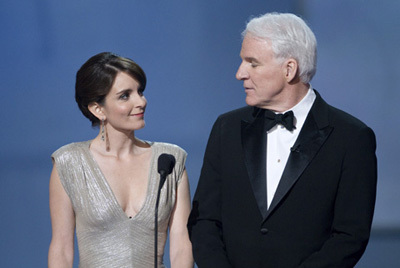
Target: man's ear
x=291 y=69
x=97 y=110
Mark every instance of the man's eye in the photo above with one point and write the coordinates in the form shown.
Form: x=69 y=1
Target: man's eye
x=252 y=64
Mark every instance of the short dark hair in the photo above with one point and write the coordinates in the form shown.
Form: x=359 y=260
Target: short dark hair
x=97 y=75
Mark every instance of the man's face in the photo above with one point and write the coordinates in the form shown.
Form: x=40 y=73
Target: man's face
x=263 y=76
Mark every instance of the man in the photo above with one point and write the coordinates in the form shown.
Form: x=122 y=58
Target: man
x=278 y=190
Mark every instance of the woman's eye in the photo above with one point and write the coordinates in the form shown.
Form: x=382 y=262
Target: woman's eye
x=140 y=92
x=124 y=96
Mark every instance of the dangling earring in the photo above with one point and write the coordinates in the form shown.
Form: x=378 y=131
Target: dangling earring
x=107 y=140
x=102 y=129
x=104 y=135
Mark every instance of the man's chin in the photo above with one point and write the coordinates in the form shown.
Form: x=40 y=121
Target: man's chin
x=251 y=102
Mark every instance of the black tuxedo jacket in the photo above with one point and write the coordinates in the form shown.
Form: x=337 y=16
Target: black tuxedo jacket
x=322 y=210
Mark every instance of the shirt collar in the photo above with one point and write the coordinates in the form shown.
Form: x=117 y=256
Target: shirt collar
x=302 y=108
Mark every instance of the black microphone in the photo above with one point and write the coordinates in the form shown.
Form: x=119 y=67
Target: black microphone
x=166 y=164
x=295 y=149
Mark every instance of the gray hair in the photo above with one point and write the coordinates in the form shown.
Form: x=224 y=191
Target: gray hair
x=290 y=37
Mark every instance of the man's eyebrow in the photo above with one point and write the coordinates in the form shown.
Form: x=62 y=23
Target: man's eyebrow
x=251 y=59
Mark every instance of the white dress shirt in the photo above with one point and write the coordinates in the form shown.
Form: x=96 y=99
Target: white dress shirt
x=280 y=140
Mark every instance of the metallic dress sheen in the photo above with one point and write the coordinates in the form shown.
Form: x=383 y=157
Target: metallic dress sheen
x=107 y=237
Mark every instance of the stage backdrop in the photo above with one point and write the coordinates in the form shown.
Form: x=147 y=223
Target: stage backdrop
x=190 y=53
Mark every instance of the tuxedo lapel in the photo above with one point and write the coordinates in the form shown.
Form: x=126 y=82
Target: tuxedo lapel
x=312 y=136
x=254 y=148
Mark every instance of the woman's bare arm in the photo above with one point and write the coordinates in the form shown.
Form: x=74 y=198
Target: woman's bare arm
x=61 y=250
x=180 y=245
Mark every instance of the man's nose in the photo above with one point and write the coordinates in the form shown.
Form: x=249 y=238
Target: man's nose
x=241 y=73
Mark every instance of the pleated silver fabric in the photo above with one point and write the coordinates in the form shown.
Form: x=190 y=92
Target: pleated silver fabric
x=107 y=237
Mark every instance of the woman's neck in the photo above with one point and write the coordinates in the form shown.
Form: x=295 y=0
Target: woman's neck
x=118 y=144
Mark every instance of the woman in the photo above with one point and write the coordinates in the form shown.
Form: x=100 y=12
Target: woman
x=106 y=188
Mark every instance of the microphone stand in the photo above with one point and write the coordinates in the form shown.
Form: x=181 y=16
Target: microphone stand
x=162 y=175
x=166 y=163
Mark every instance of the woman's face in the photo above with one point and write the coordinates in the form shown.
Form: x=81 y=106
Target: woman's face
x=125 y=105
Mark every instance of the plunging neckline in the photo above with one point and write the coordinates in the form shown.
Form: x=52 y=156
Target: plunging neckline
x=105 y=182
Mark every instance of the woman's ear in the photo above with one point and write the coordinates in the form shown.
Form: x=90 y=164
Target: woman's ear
x=291 y=69
x=97 y=110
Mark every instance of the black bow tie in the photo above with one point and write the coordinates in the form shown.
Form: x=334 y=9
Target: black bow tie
x=285 y=120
